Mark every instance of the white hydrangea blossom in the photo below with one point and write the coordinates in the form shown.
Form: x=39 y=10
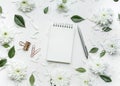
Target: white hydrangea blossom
x=62 y=6
x=60 y=77
x=17 y=72
x=6 y=35
x=26 y=6
x=103 y=18
x=86 y=79
x=97 y=67
x=111 y=46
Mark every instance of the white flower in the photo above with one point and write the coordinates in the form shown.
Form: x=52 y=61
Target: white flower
x=60 y=77
x=17 y=72
x=111 y=46
x=86 y=80
x=104 y=18
x=6 y=36
x=97 y=67
x=62 y=6
x=26 y=6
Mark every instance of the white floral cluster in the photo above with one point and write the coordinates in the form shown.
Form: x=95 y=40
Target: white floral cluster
x=26 y=6
x=60 y=77
x=111 y=46
x=103 y=18
x=6 y=36
x=97 y=67
x=62 y=6
x=86 y=80
x=17 y=72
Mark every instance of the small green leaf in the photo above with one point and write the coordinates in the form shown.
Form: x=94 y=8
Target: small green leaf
x=32 y=80
x=102 y=53
x=64 y=1
x=93 y=50
x=116 y=0
x=76 y=18
x=81 y=70
x=0 y=10
x=119 y=16
x=3 y=62
x=46 y=10
x=19 y=20
x=106 y=29
x=11 y=52
x=6 y=45
x=105 y=78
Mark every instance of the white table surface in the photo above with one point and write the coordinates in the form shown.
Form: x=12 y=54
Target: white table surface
x=42 y=21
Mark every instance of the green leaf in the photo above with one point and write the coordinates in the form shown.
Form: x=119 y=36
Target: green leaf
x=0 y=10
x=19 y=20
x=105 y=78
x=81 y=70
x=32 y=80
x=102 y=53
x=119 y=16
x=46 y=10
x=6 y=45
x=64 y=1
x=116 y=0
x=11 y=52
x=76 y=18
x=3 y=62
x=106 y=29
x=93 y=50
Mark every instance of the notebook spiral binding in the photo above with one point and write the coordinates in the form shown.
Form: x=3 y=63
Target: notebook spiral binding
x=70 y=26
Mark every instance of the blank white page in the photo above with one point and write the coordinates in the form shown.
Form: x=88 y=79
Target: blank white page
x=60 y=43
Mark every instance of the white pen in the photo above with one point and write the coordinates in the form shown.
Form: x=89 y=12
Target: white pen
x=83 y=43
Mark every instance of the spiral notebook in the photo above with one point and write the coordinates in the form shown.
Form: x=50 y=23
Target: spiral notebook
x=60 y=42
